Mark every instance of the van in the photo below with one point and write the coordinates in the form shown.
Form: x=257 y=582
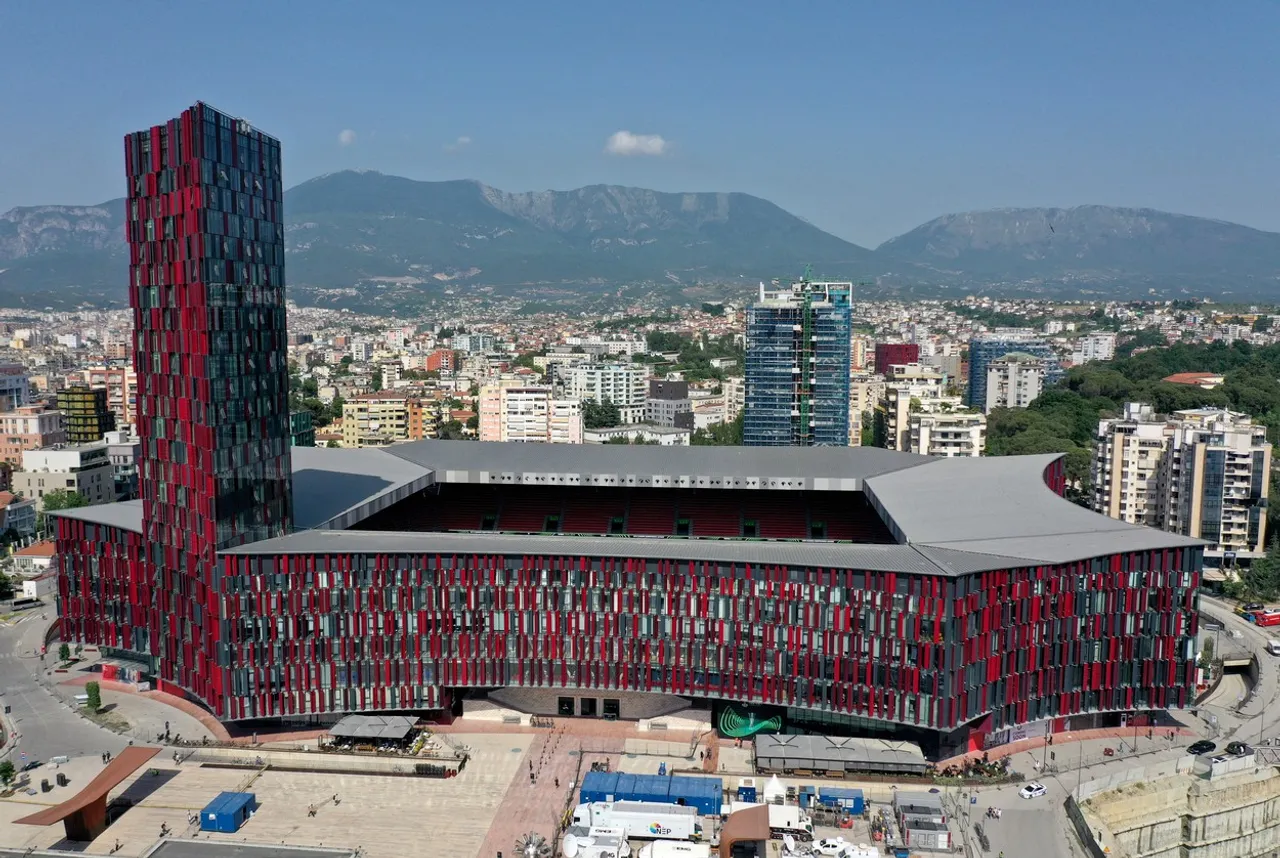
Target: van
x=1273 y=647
x=82 y=699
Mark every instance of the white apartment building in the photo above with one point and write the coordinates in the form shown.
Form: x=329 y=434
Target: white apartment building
x=473 y=343
x=1014 y=381
x=529 y=414
x=1126 y=466
x=949 y=434
x=625 y=385
x=609 y=346
x=1100 y=346
x=662 y=436
x=1203 y=473
x=82 y=468
x=735 y=397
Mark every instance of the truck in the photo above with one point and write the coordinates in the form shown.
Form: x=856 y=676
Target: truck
x=642 y=820
x=675 y=849
x=783 y=820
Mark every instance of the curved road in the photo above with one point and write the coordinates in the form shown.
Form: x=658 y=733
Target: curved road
x=45 y=726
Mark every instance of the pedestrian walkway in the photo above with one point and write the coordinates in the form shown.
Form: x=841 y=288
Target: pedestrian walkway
x=545 y=784
x=1038 y=744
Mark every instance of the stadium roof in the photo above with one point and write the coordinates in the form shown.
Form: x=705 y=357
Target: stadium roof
x=950 y=516
x=331 y=489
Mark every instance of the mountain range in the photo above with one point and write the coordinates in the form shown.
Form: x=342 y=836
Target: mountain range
x=359 y=232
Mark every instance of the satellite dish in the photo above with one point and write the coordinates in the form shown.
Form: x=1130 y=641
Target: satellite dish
x=569 y=846
x=789 y=842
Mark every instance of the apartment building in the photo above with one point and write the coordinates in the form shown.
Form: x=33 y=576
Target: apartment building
x=1101 y=346
x=15 y=386
x=998 y=343
x=82 y=468
x=1203 y=473
x=121 y=383
x=1014 y=381
x=513 y=411
x=735 y=397
x=619 y=383
x=949 y=434
x=1126 y=466
x=17 y=513
x=669 y=404
x=382 y=418
x=29 y=428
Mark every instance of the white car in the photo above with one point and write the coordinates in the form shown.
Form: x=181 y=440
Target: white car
x=829 y=846
x=1032 y=790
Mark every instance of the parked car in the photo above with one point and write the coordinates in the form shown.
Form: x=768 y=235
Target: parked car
x=1239 y=749
x=1032 y=790
x=1255 y=606
x=830 y=846
x=1204 y=746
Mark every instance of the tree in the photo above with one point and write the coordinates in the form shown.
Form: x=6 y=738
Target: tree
x=1262 y=324
x=64 y=652
x=451 y=430
x=332 y=445
x=7 y=772
x=473 y=422
x=600 y=415
x=94 y=693
x=1206 y=653
x=719 y=434
x=377 y=380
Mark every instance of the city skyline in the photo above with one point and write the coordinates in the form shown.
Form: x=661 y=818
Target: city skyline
x=923 y=112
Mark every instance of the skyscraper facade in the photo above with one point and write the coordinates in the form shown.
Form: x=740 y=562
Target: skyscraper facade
x=890 y=354
x=206 y=263
x=998 y=343
x=798 y=366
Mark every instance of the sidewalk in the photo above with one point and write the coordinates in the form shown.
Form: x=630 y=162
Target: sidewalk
x=1038 y=745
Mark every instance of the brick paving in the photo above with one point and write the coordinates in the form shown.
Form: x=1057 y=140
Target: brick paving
x=536 y=803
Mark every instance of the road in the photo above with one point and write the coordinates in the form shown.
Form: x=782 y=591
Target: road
x=46 y=726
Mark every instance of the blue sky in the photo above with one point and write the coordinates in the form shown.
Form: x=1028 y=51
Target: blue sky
x=866 y=119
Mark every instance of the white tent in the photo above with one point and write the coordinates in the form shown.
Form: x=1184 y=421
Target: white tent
x=774 y=790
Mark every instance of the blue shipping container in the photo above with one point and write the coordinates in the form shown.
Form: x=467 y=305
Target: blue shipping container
x=851 y=800
x=704 y=794
x=807 y=794
x=598 y=786
x=652 y=788
x=747 y=793
x=228 y=811
x=626 y=787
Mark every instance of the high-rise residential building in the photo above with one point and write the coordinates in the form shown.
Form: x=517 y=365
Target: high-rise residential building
x=860 y=352
x=15 y=386
x=735 y=397
x=949 y=434
x=1100 y=346
x=798 y=365
x=204 y=221
x=82 y=468
x=623 y=384
x=1216 y=478
x=998 y=343
x=891 y=354
x=514 y=411
x=29 y=427
x=1127 y=460
x=1203 y=473
x=669 y=404
x=1014 y=381
x=473 y=343
x=88 y=417
x=121 y=383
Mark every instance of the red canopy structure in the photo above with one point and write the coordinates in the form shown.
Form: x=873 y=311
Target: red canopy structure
x=85 y=813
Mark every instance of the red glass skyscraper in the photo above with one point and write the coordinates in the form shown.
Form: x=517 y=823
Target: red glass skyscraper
x=206 y=266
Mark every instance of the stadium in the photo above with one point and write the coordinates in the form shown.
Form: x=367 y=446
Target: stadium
x=852 y=591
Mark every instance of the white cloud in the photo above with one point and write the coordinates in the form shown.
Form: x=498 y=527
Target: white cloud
x=346 y=137
x=458 y=145
x=626 y=143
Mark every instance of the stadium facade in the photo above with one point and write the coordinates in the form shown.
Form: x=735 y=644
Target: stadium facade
x=830 y=588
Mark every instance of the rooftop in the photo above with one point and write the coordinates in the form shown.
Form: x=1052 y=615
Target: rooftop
x=949 y=516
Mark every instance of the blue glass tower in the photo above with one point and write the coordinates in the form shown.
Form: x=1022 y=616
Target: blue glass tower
x=797 y=368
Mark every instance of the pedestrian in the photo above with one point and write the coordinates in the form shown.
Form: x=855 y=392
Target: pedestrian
x=557 y=783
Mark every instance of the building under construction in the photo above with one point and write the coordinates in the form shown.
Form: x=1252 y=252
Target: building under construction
x=797 y=372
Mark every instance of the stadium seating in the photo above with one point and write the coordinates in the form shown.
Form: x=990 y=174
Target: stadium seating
x=713 y=513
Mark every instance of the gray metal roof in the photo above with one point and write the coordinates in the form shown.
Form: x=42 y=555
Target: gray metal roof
x=126 y=515
x=829 y=752
x=718 y=467
x=331 y=489
x=373 y=727
x=1002 y=508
